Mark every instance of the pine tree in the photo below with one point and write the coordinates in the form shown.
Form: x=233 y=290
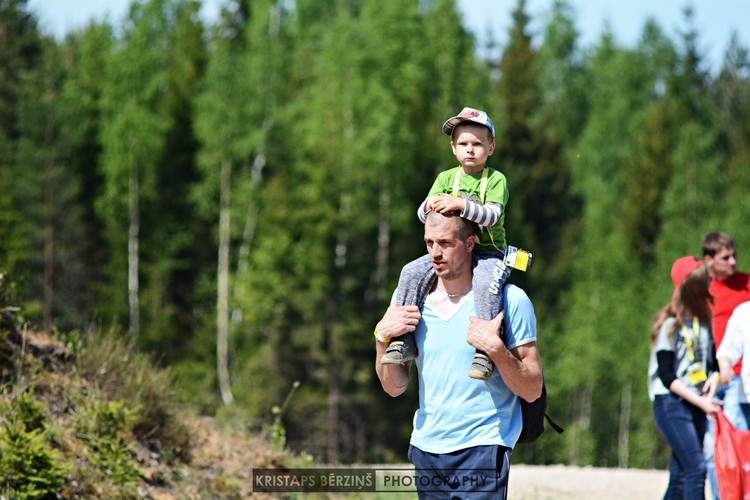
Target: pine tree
x=549 y=210
x=44 y=190
x=20 y=52
x=84 y=54
x=599 y=323
x=520 y=148
x=171 y=272
x=732 y=95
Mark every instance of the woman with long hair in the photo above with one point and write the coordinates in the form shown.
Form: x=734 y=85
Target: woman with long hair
x=683 y=376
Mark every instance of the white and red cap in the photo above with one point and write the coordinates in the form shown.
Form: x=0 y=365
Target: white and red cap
x=469 y=115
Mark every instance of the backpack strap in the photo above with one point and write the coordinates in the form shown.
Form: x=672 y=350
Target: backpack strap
x=552 y=424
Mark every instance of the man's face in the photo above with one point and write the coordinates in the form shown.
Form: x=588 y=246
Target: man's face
x=451 y=256
x=723 y=264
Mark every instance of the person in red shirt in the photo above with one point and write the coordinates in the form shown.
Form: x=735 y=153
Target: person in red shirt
x=729 y=289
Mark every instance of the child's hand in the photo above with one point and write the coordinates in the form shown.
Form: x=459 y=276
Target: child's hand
x=428 y=205
x=445 y=204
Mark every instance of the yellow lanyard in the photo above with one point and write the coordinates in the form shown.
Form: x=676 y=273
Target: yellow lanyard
x=482 y=183
x=482 y=191
x=689 y=340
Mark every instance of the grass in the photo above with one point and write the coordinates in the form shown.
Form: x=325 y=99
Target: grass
x=90 y=418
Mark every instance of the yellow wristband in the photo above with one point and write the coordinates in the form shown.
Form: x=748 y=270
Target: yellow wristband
x=380 y=337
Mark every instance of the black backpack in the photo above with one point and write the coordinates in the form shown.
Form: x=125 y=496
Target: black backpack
x=534 y=414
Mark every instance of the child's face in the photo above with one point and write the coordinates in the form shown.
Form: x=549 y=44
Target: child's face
x=472 y=144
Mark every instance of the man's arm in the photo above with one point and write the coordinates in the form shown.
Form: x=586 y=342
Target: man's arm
x=520 y=367
x=397 y=321
x=732 y=345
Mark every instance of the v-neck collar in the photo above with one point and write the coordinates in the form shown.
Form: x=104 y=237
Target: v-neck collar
x=447 y=315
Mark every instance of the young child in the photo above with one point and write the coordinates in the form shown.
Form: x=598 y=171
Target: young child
x=478 y=193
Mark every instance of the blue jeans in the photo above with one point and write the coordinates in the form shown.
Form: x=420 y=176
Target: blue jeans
x=683 y=426
x=737 y=413
x=476 y=473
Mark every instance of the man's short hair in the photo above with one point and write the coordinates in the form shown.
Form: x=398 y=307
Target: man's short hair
x=464 y=228
x=714 y=242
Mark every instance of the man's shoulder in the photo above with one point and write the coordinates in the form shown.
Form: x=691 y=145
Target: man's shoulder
x=517 y=299
x=738 y=282
x=520 y=319
x=515 y=292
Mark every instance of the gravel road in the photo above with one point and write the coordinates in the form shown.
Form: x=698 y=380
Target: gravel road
x=558 y=482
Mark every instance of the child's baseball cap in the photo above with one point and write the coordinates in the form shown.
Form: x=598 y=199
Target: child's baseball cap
x=469 y=115
x=681 y=269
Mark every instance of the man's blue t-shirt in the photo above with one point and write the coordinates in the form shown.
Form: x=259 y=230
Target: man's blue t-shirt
x=456 y=411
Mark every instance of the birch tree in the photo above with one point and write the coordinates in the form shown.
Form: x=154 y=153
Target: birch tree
x=133 y=134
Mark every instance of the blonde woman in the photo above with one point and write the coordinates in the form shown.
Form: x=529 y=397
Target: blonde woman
x=683 y=376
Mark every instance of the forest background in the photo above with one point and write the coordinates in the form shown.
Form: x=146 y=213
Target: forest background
x=239 y=198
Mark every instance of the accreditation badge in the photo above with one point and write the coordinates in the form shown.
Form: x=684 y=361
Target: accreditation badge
x=697 y=374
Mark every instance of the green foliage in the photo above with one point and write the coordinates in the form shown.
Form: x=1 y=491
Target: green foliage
x=123 y=375
x=24 y=409
x=29 y=465
x=278 y=433
x=7 y=290
x=106 y=428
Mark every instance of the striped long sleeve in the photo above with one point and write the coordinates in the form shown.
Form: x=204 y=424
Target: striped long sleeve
x=485 y=215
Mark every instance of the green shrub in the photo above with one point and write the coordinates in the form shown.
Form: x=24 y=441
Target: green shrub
x=29 y=466
x=122 y=375
x=24 y=409
x=106 y=429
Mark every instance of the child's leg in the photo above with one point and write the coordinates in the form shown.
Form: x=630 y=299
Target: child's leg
x=415 y=281
x=414 y=284
x=490 y=274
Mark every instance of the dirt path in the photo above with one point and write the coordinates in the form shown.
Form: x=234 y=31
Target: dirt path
x=560 y=482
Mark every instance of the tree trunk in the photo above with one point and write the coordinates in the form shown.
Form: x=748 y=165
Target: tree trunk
x=334 y=371
x=582 y=401
x=627 y=394
x=49 y=235
x=133 y=254
x=342 y=246
x=222 y=299
x=49 y=242
x=248 y=234
x=376 y=288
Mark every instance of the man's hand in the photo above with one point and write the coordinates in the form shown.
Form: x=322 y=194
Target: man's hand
x=398 y=320
x=484 y=334
x=520 y=367
x=725 y=370
x=446 y=204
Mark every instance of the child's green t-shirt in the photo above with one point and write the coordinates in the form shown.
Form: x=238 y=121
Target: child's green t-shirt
x=469 y=187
